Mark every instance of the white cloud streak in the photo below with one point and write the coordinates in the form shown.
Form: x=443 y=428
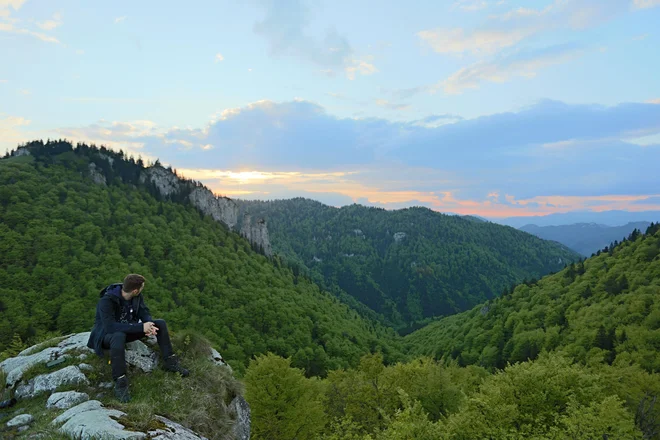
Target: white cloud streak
x=645 y=4
x=49 y=25
x=511 y=28
x=525 y=65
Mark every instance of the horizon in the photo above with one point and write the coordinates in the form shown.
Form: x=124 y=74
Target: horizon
x=487 y=108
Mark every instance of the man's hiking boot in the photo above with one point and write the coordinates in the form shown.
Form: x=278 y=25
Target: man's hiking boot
x=121 y=389
x=172 y=364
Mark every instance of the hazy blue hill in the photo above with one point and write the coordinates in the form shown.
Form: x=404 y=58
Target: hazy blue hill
x=585 y=238
x=609 y=218
x=409 y=264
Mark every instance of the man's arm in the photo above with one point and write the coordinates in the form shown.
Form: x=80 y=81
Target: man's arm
x=143 y=312
x=110 y=325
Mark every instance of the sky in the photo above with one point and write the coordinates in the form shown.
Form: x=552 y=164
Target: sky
x=496 y=108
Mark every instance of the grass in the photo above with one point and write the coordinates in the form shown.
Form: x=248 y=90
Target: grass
x=198 y=402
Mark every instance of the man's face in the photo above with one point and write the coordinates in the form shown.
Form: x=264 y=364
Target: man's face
x=136 y=292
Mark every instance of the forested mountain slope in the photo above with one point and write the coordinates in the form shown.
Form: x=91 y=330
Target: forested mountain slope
x=585 y=238
x=409 y=264
x=64 y=237
x=606 y=308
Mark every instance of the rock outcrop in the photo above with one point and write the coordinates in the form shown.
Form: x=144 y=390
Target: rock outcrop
x=256 y=233
x=16 y=366
x=45 y=383
x=96 y=175
x=221 y=209
x=20 y=420
x=240 y=409
x=72 y=413
x=91 y=420
x=21 y=151
x=166 y=181
x=141 y=356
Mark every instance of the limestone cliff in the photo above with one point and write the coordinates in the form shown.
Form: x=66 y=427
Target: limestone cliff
x=256 y=232
x=165 y=180
x=222 y=209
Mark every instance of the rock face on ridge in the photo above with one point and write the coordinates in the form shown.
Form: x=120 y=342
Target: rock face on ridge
x=257 y=234
x=221 y=209
x=72 y=413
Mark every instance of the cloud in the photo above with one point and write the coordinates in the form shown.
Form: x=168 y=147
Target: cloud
x=359 y=66
x=507 y=30
x=16 y=4
x=524 y=64
x=9 y=27
x=25 y=92
x=654 y=101
x=645 y=4
x=284 y=27
x=16 y=26
x=3 y=81
x=471 y=5
x=391 y=105
x=51 y=24
x=545 y=158
x=219 y=57
x=120 y=19
x=10 y=131
x=434 y=121
x=407 y=93
x=457 y=41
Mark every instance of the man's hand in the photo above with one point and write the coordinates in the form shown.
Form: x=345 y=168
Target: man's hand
x=150 y=329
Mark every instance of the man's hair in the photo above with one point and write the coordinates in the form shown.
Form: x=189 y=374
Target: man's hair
x=132 y=282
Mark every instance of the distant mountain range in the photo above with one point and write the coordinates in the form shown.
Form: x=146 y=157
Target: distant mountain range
x=607 y=218
x=585 y=238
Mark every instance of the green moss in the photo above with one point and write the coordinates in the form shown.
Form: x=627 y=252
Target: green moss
x=134 y=422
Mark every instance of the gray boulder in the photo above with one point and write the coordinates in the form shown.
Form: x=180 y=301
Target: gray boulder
x=141 y=356
x=173 y=431
x=217 y=359
x=21 y=420
x=239 y=409
x=66 y=399
x=50 y=382
x=91 y=420
x=16 y=366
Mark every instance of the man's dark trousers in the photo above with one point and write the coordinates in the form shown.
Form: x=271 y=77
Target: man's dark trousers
x=116 y=342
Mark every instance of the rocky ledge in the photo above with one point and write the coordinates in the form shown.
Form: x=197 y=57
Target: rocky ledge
x=54 y=371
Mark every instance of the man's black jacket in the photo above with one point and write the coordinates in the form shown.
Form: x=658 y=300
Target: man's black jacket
x=108 y=312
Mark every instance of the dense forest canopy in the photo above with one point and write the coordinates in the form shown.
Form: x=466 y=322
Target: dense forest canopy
x=605 y=308
x=409 y=264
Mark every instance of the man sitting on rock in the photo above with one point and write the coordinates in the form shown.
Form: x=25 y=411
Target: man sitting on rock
x=116 y=323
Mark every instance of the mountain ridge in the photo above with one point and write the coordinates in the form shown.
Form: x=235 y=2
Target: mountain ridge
x=408 y=264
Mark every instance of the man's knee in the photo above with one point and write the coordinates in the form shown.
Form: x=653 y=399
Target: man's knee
x=118 y=340
x=160 y=323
